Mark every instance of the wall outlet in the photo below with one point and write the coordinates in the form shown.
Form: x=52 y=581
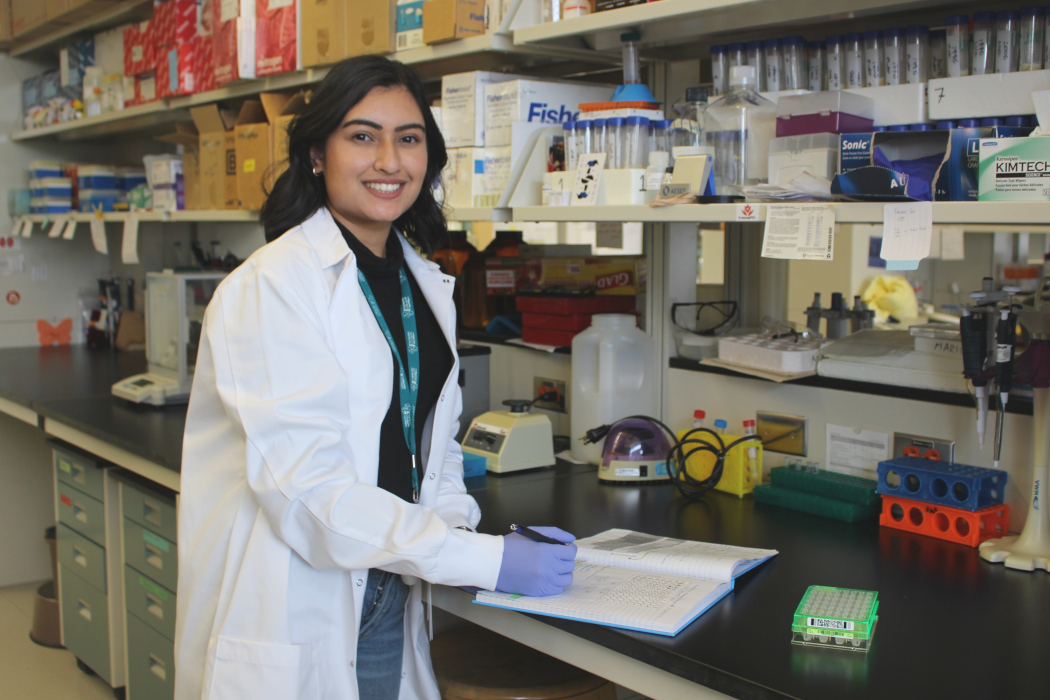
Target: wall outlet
x=541 y=385
x=919 y=445
x=782 y=432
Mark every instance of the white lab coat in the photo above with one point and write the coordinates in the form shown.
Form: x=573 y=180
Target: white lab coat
x=280 y=516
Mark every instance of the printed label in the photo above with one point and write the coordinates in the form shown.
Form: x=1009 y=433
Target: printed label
x=152 y=588
x=65 y=466
x=626 y=471
x=488 y=428
x=827 y=623
x=746 y=212
x=500 y=279
x=158 y=542
x=249 y=165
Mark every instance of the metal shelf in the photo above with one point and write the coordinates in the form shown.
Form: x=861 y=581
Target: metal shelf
x=479 y=214
x=95 y=17
x=182 y=216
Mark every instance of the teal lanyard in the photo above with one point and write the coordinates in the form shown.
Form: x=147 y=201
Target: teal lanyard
x=409 y=386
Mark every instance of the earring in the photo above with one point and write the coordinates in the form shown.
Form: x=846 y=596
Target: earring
x=316 y=171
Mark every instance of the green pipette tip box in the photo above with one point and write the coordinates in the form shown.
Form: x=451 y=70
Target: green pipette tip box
x=840 y=618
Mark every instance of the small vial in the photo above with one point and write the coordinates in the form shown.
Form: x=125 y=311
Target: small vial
x=698 y=418
x=1032 y=38
x=968 y=124
x=636 y=140
x=945 y=125
x=898 y=128
x=816 y=66
x=660 y=131
x=614 y=142
x=793 y=68
x=938 y=41
x=921 y=127
x=572 y=155
x=771 y=49
x=720 y=426
x=916 y=49
x=982 y=57
x=757 y=60
x=584 y=137
x=719 y=69
x=853 y=49
x=1007 y=24
x=598 y=137
x=735 y=56
x=836 y=63
x=893 y=50
x=992 y=121
x=752 y=455
x=957 y=45
x=874 y=59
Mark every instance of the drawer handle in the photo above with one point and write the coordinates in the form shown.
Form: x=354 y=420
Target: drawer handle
x=79 y=557
x=154 y=557
x=79 y=513
x=156 y=667
x=154 y=606
x=151 y=513
x=84 y=610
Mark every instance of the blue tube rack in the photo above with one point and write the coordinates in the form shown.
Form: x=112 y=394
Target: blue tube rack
x=952 y=485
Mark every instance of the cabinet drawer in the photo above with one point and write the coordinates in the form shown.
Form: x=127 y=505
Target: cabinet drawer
x=151 y=602
x=151 y=663
x=79 y=471
x=83 y=557
x=85 y=622
x=151 y=554
x=81 y=513
x=150 y=511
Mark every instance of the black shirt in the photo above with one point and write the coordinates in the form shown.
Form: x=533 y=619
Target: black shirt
x=435 y=360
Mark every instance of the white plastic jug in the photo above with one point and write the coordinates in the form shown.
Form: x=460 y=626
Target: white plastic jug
x=612 y=378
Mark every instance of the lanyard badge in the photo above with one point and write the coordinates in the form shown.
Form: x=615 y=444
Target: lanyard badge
x=408 y=382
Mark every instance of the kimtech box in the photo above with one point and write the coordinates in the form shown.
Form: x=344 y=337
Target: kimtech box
x=534 y=101
x=1014 y=169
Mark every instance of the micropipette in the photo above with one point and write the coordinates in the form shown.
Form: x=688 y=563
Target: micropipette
x=975 y=351
x=1006 y=337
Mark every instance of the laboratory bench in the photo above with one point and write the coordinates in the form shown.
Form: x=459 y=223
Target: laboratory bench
x=950 y=624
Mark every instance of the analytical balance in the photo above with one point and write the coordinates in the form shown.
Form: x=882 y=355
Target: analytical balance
x=511 y=440
x=175 y=303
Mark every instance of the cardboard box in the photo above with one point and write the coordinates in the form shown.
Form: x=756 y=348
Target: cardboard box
x=991 y=95
x=293 y=107
x=445 y=20
x=139 y=49
x=276 y=37
x=217 y=164
x=73 y=59
x=332 y=31
x=534 y=101
x=5 y=20
x=254 y=132
x=463 y=106
x=233 y=34
x=176 y=66
x=409 y=24
x=186 y=136
x=897 y=104
x=26 y=15
x=623 y=275
x=1014 y=169
x=371 y=27
x=476 y=177
x=109 y=50
x=203 y=65
x=175 y=22
x=55 y=9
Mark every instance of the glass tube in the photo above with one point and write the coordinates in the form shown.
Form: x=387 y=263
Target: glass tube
x=816 y=66
x=598 y=128
x=793 y=68
x=636 y=141
x=935 y=67
x=735 y=56
x=835 y=63
x=874 y=59
x=1007 y=23
x=893 y=52
x=584 y=141
x=614 y=143
x=916 y=49
x=1031 y=42
x=853 y=49
x=757 y=60
x=982 y=56
x=719 y=70
x=572 y=155
x=771 y=49
x=957 y=45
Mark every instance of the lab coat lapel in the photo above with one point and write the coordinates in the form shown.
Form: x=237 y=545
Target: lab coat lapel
x=436 y=287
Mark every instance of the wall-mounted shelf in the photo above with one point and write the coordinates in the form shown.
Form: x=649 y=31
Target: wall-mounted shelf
x=184 y=216
x=479 y=214
x=93 y=18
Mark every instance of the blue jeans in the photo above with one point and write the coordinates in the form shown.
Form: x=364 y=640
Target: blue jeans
x=380 y=644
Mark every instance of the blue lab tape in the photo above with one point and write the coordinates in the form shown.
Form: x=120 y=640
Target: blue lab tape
x=892 y=265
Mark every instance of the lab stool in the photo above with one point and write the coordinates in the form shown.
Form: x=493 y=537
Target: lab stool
x=472 y=663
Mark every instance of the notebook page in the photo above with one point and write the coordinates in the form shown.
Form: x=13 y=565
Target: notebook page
x=621 y=597
x=637 y=550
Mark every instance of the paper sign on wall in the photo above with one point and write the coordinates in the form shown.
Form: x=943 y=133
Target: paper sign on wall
x=56 y=227
x=129 y=248
x=799 y=232
x=98 y=235
x=907 y=228
x=588 y=179
x=856 y=452
x=70 y=230
x=952 y=247
x=608 y=234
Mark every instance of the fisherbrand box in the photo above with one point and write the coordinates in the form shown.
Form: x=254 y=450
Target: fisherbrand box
x=534 y=101
x=1014 y=169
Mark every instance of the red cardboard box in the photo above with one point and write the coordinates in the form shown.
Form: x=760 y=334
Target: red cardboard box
x=276 y=37
x=234 y=45
x=175 y=22
x=145 y=89
x=176 y=69
x=203 y=67
x=139 y=53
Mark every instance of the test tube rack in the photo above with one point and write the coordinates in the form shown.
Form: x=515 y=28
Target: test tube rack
x=736 y=477
x=839 y=618
x=966 y=527
x=951 y=485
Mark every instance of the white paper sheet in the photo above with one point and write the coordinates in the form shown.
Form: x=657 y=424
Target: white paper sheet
x=98 y=235
x=857 y=453
x=129 y=248
x=70 y=230
x=952 y=247
x=906 y=230
x=799 y=232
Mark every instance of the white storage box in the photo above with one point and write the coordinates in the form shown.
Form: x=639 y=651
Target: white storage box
x=463 y=107
x=990 y=95
x=782 y=355
x=790 y=155
x=897 y=104
x=534 y=101
x=622 y=186
x=476 y=177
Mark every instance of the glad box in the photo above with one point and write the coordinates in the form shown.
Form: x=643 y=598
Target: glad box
x=1014 y=169
x=534 y=101
x=276 y=37
x=621 y=275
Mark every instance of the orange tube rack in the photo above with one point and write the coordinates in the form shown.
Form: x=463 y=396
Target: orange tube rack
x=953 y=524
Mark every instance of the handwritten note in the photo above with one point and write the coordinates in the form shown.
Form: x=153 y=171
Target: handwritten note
x=907 y=228
x=98 y=234
x=129 y=248
x=608 y=234
x=588 y=179
x=70 y=230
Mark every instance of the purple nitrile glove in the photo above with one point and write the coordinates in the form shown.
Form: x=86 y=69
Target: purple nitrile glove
x=535 y=568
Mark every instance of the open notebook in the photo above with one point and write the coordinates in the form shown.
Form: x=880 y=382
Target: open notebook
x=640 y=582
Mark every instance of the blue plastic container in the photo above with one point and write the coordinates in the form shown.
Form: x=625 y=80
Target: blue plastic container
x=953 y=485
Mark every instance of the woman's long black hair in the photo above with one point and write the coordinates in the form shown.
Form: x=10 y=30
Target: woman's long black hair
x=298 y=193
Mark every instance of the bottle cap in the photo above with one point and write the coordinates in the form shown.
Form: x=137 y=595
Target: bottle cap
x=957 y=21
x=945 y=124
x=719 y=423
x=914 y=29
x=921 y=127
x=598 y=123
x=741 y=75
x=852 y=36
x=696 y=94
x=816 y=45
x=873 y=34
x=720 y=48
x=614 y=121
x=736 y=46
x=751 y=45
x=1004 y=15
x=992 y=121
x=968 y=123
x=878 y=129
x=1032 y=10
x=833 y=39
x=1016 y=121
x=983 y=17
x=568 y=125
x=634 y=121
x=584 y=124
x=749 y=423
x=794 y=41
x=899 y=127
x=894 y=31
x=699 y=415
x=771 y=43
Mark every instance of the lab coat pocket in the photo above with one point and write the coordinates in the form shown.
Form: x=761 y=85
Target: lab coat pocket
x=246 y=669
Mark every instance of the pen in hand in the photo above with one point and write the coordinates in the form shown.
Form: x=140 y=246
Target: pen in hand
x=533 y=535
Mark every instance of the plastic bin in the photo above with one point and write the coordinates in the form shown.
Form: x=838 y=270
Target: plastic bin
x=835 y=111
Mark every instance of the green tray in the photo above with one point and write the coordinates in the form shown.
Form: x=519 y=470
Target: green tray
x=842 y=487
x=812 y=503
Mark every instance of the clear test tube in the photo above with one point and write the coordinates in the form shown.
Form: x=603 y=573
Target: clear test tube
x=757 y=60
x=720 y=426
x=614 y=142
x=982 y=57
x=661 y=134
x=1031 y=38
x=793 y=68
x=893 y=51
x=735 y=56
x=957 y=45
x=771 y=49
x=719 y=70
x=874 y=59
x=938 y=44
x=598 y=137
x=916 y=48
x=584 y=137
x=836 y=64
x=1007 y=23
x=816 y=66
x=572 y=155
x=853 y=50
x=698 y=418
x=636 y=142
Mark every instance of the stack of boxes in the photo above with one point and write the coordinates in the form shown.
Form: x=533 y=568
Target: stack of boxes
x=555 y=320
x=233 y=27
x=140 y=63
x=97 y=188
x=182 y=55
x=276 y=37
x=51 y=192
